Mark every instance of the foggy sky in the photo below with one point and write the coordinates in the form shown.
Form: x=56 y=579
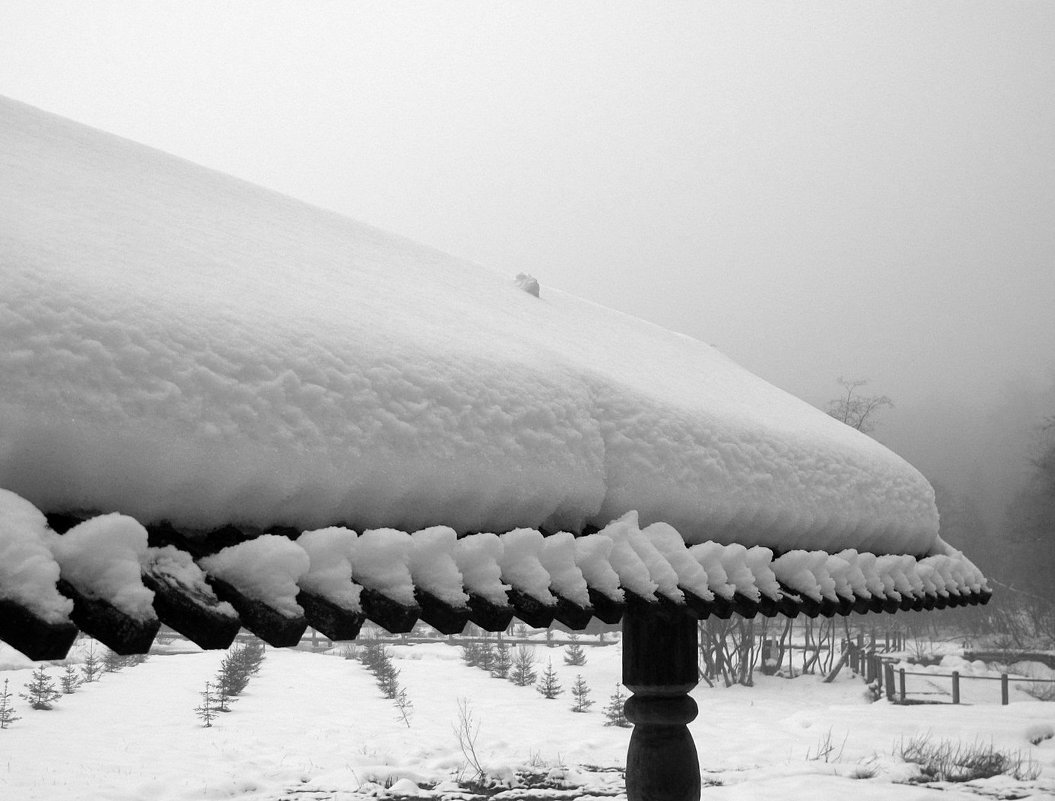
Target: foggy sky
x=819 y=189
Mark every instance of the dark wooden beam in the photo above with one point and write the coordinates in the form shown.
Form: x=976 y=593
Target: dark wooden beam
x=265 y=621
x=333 y=620
x=571 y=614
x=114 y=628
x=531 y=610
x=191 y=612
x=488 y=615
x=35 y=637
x=393 y=616
x=443 y=617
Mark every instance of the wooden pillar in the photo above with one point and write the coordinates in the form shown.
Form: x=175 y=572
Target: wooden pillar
x=1005 y=695
x=660 y=668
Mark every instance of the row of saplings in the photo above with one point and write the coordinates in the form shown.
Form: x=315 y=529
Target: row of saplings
x=41 y=692
x=502 y=662
x=237 y=667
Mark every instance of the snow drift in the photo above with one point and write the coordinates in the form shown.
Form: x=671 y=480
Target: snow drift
x=179 y=345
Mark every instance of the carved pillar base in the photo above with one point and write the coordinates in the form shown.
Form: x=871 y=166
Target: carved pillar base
x=660 y=668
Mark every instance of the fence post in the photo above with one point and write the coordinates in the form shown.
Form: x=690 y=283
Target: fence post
x=956 y=686
x=1004 y=699
x=888 y=679
x=901 y=684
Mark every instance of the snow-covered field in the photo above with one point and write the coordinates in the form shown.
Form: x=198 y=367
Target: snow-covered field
x=314 y=726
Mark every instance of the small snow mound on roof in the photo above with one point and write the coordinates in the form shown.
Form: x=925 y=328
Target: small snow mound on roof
x=28 y=571
x=265 y=569
x=528 y=283
x=795 y=570
x=180 y=568
x=592 y=557
x=478 y=557
x=854 y=581
x=102 y=557
x=558 y=559
x=331 y=552
x=521 y=564
x=691 y=575
x=709 y=555
x=737 y=571
x=869 y=565
x=660 y=570
x=634 y=574
x=898 y=573
x=432 y=564
x=760 y=560
x=964 y=572
x=382 y=558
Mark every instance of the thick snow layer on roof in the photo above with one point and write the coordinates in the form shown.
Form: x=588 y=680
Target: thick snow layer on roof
x=180 y=345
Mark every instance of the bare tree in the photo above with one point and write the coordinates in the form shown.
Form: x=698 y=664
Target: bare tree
x=858 y=411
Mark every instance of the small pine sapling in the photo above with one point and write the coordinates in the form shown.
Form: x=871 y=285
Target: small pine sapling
x=69 y=680
x=614 y=712
x=574 y=654
x=487 y=656
x=252 y=656
x=91 y=667
x=581 y=693
x=370 y=654
x=7 y=712
x=231 y=678
x=522 y=672
x=40 y=690
x=113 y=662
x=502 y=662
x=404 y=706
x=549 y=686
x=471 y=653
x=222 y=699
x=206 y=710
x=386 y=674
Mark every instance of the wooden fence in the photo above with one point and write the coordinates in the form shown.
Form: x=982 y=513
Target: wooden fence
x=899 y=695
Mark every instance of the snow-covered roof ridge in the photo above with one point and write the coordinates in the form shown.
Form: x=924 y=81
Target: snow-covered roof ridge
x=333 y=579
x=180 y=345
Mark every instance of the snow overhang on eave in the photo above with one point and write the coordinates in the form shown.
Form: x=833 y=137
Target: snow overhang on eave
x=210 y=585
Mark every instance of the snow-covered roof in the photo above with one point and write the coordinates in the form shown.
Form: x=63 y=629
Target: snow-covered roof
x=178 y=345
x=221 y=407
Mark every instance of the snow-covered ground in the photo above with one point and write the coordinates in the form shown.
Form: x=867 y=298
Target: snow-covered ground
x=314 y=726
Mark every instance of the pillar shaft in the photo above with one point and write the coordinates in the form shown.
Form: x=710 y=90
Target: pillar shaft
x=660 y=668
